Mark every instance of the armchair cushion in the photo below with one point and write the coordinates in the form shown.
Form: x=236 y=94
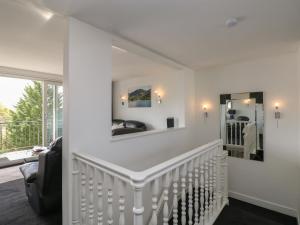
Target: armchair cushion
x=29 y=171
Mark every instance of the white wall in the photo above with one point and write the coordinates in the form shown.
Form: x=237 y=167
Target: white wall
x=87 y=110
x=275 y=180
x=172 y=91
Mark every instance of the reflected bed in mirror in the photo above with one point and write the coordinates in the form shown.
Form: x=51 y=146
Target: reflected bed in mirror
x=242 y=124
x=146 y=93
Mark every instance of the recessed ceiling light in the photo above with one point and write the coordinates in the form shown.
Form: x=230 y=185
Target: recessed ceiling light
x=231 y=22
x=119 y=49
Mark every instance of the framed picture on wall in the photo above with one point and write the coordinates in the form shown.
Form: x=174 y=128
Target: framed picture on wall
x=139 y=97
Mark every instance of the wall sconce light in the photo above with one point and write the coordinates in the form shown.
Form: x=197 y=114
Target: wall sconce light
x=158 y=96
x=123 y=99
x=277 y=112
x=247 y=101
x=205 y=107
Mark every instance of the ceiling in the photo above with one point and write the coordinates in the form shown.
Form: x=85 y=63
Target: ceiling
x=27 y=40
x=193 y=32
x=31 y=42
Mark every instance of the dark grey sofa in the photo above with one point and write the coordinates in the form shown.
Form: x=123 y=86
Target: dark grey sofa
x=130 y=126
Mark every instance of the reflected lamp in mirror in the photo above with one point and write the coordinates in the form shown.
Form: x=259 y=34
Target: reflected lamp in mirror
x=242 y=124
x=123 y=99
x=158 y=97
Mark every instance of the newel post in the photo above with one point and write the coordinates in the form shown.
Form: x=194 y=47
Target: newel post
x=75 y=192
x=138 y=207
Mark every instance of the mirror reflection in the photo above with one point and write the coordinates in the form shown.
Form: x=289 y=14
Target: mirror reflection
x=242 y=125
x=147 y=94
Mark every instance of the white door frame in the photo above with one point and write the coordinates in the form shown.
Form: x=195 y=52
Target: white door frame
x=45 y=109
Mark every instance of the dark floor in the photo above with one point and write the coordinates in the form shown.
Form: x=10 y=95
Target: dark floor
x=15 y=209
x=241 y=213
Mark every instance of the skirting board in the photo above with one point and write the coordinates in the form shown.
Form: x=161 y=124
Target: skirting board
x=265 y=204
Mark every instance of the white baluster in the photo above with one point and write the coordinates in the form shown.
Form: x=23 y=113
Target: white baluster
x=190 y=179
x=99 y=197
x=196 y=199
x=225 y=177
x=166 y=184
x=110 y=215
x=240 y=133
x=155 y=190
x=91 y=195
x=122 y=186
x=206 y=188
x=210 y=186
x=83 y=193
x=215 y=182
x=235 y=124
x=231 y=125
x=138 y=208
x=201 y=222
x=75 y=194
x=219 y=177
x=175 y=198
x=183 y=196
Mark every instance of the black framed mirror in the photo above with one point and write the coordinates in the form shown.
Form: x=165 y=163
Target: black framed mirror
x=242 y=124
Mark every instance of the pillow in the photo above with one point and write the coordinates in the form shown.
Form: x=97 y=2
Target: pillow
x=116 y=126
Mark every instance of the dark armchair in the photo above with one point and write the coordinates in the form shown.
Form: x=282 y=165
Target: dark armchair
x=43 y=179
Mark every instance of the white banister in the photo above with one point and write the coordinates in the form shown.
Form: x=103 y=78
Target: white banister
x=175 y=197
x=198 y=177
x=155 y=190
x=202 y=190
x=206 y=189
x=190 y=180
x=183 y=194
x=166 y=182
x=110 y=211
x=196 y=199
x=122 y=186
x=99 y=178
x=75 y=186
x=83 y=193
x=91 y=194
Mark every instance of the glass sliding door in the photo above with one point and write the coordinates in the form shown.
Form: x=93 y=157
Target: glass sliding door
x=53 y=111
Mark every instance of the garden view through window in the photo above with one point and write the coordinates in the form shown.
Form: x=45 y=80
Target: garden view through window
x=30 y=115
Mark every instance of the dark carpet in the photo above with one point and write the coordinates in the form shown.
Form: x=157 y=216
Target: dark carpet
x=15 y=209
x=242 y=213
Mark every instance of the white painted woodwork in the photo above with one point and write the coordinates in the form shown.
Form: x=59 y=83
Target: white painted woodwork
x=196 y=199
x=183 y=172
x=155 y=190
x=110 y=212
x=99 y=178
x=166 y=183
x=214 y=182
x=206 y=188
x=175 y=196
x=76 y=186
x=190 y=191
x=210 y=186
x=201 y=220
x=91 y=194
x=122 y=187
x=138 y=208
x=204 y=169
x=83 y=193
